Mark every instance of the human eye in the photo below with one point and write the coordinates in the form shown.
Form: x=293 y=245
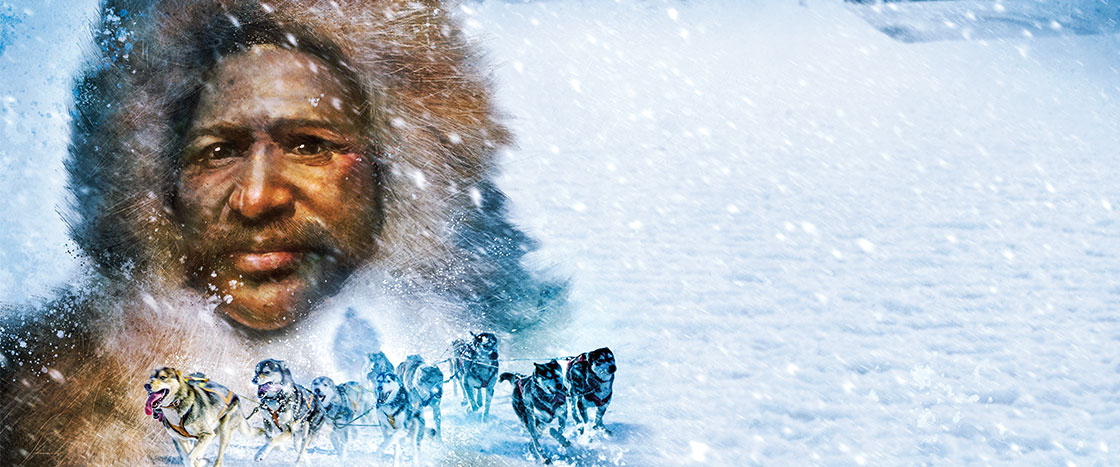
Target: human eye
x=217 y=154
x=312 y=148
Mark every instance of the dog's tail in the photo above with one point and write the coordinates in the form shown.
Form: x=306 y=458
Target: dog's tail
x=508 y=377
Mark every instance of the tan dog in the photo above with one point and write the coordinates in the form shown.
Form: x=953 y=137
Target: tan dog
x=193 y=410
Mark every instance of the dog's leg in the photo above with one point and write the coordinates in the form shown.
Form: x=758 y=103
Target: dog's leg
x=561 y=420
x=599 y=420
x=304 y=438
x=387 y=438
x=226 y=425
x=397 y=453
x=338 y=438
x=183 y=446
x=472 y=397
x=414 y=439
x=534 y=438
x=456 y=382
x=199 y=450
x=247 y=430
x=272 y=442
x=489 y=396
x=436 y=419
x=394 y=439
x=579 y=413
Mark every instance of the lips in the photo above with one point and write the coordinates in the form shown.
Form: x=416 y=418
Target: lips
x=266 y=262
x=154 y=398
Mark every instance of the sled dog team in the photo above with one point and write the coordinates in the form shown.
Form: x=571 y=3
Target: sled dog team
x=195 y=411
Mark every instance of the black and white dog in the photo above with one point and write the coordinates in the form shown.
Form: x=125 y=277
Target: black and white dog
x=538 y=399
x=376 y=364
x=398 y=420
x=475 y=365
x=424 y=384
x=288 y=409
x=342 y=406
x=591 y=383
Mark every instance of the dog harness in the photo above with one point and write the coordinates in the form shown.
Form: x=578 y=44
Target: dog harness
x=589 y=394
x=556 y=400
x=276 y=413
x=345 y=416
x=229 y=398
x=466 y=361
x=392 y=418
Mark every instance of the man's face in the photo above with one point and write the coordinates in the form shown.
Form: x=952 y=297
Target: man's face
x=278 y=195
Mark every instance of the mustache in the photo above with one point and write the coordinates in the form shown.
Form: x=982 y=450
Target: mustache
x=287 y=234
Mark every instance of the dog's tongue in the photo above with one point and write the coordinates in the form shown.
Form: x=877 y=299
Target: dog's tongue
x=151 y=401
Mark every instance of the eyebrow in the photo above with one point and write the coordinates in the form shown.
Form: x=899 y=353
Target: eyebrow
x=229 y=130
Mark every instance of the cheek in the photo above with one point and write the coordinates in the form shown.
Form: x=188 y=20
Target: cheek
x=335 y=187
x=202 y=194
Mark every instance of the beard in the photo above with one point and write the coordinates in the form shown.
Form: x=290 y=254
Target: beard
x=315 y=262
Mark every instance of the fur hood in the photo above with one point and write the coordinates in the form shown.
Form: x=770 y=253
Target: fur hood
x=72 y=370
x=430 y=110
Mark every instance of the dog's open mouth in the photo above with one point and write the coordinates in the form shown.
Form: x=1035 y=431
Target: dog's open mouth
x=154 y=398
x=264 y=389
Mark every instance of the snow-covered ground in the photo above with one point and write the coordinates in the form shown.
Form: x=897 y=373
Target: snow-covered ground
x=807 y=242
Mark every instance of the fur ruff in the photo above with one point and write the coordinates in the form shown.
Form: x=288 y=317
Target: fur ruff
x=74 y=368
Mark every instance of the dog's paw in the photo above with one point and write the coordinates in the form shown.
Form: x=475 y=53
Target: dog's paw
x=559 y=435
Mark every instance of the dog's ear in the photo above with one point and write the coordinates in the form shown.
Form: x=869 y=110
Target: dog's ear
x=178 y=374
x=540 y=367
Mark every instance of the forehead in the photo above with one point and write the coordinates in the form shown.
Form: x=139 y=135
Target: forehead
x=162 y=372
x=266 y=84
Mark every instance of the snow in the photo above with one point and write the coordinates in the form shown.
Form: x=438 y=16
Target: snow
x=806 y=242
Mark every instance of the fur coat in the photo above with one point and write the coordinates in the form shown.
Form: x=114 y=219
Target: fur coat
x=447 y=256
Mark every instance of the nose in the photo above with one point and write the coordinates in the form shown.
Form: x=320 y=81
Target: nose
x=148 y=387
x=262 y=191
x=611 y=369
